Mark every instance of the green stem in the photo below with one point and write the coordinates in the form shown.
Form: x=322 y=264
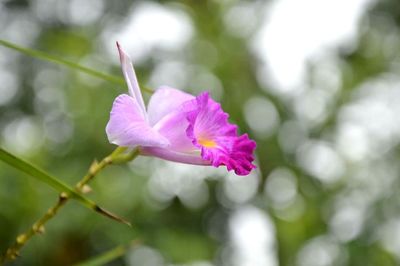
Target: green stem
x=117 y=156
x=97 y=167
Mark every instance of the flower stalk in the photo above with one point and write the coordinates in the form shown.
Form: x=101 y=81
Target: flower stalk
x=118 y=156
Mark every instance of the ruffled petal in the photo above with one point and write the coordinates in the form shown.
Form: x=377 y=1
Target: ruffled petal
x=210 y=130
x=127 y=126
x=131 y=80
x=236 y=153
x=164 y=101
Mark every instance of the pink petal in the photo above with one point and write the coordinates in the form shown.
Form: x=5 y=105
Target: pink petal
x=164 y=101
x=236 y=153
x=174 y=156
x=127 y=126
x=173 y=127
x=210 y=130
x=171 y=122
x=131 y=80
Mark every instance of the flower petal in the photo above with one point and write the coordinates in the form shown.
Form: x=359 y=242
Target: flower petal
x=173 y=127
x=236 y=153
x=131 y=80
x=164 y=101
x=174 y=156
x=210 y=130
x=127 y=126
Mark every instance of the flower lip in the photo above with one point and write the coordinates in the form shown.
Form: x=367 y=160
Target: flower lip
x=208 y=143
x=225 y=147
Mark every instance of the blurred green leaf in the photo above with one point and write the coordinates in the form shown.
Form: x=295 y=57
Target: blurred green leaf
x=106 y=257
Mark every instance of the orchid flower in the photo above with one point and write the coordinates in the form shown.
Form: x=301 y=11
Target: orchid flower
x=177 y=126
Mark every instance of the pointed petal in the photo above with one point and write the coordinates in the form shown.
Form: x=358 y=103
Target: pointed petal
x=127 y=126
x=131 y=80
x=164 y=101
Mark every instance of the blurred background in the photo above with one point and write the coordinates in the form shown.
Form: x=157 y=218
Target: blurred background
x=315 y=82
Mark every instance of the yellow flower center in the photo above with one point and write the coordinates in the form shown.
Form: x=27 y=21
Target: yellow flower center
x=208 y=143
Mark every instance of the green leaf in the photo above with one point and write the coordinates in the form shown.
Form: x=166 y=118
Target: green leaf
x=55 y=183
x=51 y=58
x=105 y=257
x=60 y=61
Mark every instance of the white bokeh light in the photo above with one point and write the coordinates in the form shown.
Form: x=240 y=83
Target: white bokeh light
x=83 y=12
x=291 y=134
x=241 y=19
x=297 y=31
x=187 y=182
x=23 y=135
x=353 y=142
x=253 y=238
x=144 y=256
x=281 y=187
x=150 y=26
x=262 y=116
x=240 y=189
x=19 y=27
x=373 y=116
x=8 y=86
x=321 y=251
x=390 y=236
x=347 y=222
x=322 y=161
x=311 y=107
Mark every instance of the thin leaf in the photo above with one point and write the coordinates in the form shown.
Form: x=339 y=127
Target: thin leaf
x=55 y=183
x=57 y=60
x=108 y=256
x=51 y=58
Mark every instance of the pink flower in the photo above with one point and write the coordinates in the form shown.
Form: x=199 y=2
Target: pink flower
x=177 y=126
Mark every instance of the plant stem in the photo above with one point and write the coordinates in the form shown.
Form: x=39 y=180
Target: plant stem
x=117 y=156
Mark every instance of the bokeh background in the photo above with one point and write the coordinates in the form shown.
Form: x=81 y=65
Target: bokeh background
x=315 y=82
